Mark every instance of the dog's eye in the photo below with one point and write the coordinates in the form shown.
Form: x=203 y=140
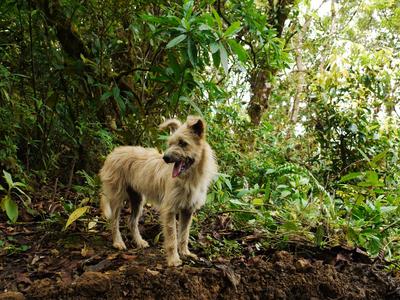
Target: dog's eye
x=182 y=143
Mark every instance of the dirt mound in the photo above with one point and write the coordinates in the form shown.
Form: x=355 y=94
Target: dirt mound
x=143 y=275
x=38 y=262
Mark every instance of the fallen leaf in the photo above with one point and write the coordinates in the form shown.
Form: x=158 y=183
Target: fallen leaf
x=55 y=252
x=35 y=259
x=87 y=251
x=128 y=256
x=153 y=272
x=76 y=214
x=112 y=256
x=92 y=225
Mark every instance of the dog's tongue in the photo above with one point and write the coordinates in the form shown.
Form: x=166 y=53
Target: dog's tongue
x=177 y=169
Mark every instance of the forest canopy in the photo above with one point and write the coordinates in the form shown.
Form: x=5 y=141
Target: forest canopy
x=301 y=99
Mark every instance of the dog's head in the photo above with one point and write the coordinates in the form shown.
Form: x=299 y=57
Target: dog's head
x=186 y=143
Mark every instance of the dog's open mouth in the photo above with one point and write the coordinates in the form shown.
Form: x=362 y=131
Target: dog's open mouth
x=181 y=166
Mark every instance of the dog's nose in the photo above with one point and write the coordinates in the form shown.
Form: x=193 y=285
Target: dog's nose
x=167 y=159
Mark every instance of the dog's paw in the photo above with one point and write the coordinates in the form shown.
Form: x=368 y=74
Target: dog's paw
x=174 y=262
x=120 y=245
x=142 y=244
x=187 y=253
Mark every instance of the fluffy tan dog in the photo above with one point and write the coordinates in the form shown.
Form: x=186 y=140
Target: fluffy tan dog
x=176 y=181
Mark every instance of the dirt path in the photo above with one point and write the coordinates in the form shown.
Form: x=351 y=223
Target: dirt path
x=78 y=265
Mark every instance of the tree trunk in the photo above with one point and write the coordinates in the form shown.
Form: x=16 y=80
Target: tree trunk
x=300 y=82
x=260 y=83
x=261 y=90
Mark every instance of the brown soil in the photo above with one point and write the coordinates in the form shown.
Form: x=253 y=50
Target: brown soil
x=82 y=265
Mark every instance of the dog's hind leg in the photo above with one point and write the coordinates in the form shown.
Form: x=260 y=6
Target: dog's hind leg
x=116 y=203
x=136 y=202
x=185 y=220
x=111 y=204
x=116 y=234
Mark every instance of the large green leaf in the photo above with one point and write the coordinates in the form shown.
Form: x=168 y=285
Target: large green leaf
x=176 y=41
x=379 y=157
x=214 y=47
x=11 y=208
x=192 y=52
x=105 y=96
x=350 y=176
x=372 y=179
x=216 y=59
x=217 y=17
x=116 y=92
x=234 y=28
x=238 y=50
x=224 y=57
x=119 y=99
x=75 y=215
x=150 y=18
x=284 y=194
x=8 y=178
x=188 y=9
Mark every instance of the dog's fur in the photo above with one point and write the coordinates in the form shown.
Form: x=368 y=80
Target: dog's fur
x=176 y=181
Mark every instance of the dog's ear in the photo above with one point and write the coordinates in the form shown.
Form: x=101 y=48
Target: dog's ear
x=172 y=124
x=197 y=125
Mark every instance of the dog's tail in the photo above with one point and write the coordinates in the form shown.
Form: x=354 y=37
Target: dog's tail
x=105 y=207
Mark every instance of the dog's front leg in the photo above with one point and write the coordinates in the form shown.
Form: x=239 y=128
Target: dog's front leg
x=170 y=243
x=185 y=220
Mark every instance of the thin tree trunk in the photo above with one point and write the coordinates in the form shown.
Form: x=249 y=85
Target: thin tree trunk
x=301 y=69
x=261 y=90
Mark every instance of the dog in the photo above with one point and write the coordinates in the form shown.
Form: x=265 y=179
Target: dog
x=176 y=181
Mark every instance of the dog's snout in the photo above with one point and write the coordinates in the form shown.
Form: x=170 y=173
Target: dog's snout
x=167 y=159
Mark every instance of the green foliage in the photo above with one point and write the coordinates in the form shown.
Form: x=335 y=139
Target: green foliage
x=10 y=246
x=7 y=204
x=214 y=248
x=293 y=205
x=90 y=78
x=325 y=200
x=370 y=205
x=91 y=186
